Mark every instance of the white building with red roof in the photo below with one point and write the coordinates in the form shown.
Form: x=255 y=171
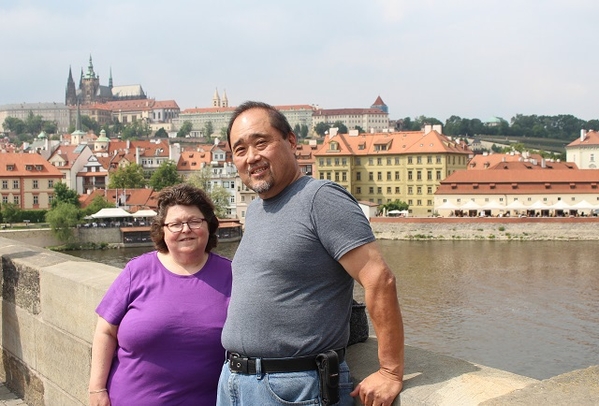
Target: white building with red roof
x=504 y=190
x=70 y=160
x=584 y=151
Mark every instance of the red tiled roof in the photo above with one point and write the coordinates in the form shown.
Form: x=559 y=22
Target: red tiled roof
x=521 y=181
x=407 y=142
x=193 y=160
x=590 y=138
x=135 y=198
x=19 y=162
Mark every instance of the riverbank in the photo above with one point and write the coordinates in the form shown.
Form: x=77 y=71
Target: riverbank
x=465 y=228
x=386 y=228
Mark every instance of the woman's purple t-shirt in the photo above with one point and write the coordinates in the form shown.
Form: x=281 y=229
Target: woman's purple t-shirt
x=169 y=348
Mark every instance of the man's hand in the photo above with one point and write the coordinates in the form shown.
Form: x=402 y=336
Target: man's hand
x=378 y=389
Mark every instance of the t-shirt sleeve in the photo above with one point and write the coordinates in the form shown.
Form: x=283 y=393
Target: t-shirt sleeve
x=340 y=223
x=116 y=301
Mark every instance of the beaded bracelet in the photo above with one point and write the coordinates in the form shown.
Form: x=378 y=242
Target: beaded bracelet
x=98 y=391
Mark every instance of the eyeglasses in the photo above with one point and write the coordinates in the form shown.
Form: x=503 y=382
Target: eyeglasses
x=178 y=226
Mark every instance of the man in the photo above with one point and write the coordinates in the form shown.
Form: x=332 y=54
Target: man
x=305 y=242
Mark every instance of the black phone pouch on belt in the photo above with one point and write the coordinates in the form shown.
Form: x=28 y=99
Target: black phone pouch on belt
x=328 y=372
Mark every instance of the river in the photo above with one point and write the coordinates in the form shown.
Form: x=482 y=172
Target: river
x=528 y=307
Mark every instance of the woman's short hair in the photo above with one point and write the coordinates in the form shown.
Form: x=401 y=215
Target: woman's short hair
x=185 y=195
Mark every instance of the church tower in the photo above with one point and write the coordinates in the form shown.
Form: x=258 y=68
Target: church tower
x=71 y=92
x=225 y=102
x=216 y=99
x=90 y=83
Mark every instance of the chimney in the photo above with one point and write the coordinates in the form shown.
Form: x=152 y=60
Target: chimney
x=583 y=134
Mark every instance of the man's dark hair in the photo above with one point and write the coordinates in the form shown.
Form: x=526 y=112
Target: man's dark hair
x=277 y=119
x=185 y=195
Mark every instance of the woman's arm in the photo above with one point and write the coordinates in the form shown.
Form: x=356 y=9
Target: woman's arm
x=103 y=348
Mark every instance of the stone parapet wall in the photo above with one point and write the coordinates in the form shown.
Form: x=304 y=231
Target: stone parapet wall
x=48 y=319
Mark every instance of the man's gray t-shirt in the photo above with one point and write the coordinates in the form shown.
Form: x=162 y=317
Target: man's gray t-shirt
x=290 y=296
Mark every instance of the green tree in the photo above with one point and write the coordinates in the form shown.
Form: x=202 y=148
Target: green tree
x=185 y=129
x=220 y=198
x=13 y=124
x=96 y=205
x=360 y=129
x=208 y=129
x=33 y=123
x=200 y=179
x=304 y=131
x=62 y=219
x=161 y=133
x=219 y=195
x=10 y=212
x=342 y=128
x=394 y=205
x=138 y=129
x=130 y=176
x=297 y=130
x=165 y=175
x=62 y=194
x=321 y=128
x=88 y=123
x=50 y=127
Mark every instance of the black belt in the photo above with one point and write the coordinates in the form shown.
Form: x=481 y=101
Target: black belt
x=247 y=365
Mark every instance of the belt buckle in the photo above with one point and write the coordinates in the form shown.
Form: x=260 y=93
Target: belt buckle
x=238 y=364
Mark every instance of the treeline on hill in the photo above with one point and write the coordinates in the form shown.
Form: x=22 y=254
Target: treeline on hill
x=562 y=127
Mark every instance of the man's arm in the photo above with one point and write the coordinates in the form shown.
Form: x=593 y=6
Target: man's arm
x=367 y=266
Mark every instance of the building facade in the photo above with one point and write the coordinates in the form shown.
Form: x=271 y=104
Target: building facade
x=27 y=180
x=384 y=167
x=57 y=112
x=584 y=151
x=515 y=191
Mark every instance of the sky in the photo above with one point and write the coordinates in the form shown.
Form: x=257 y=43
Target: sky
x=437 y=58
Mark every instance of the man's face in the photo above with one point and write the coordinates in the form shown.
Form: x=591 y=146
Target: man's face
x=265 y=161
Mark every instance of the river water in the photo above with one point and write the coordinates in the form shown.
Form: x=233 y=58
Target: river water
x=531 y=307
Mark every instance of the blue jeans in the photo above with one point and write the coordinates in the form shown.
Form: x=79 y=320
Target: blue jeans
x=288 y=388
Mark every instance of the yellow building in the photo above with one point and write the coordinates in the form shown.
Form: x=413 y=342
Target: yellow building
x=384 y=167
x=27 y=180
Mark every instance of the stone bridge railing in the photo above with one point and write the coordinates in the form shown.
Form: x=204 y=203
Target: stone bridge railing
x=48 y=319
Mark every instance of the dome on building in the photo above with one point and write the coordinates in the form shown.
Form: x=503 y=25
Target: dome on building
x=42 y=135
x=103 y=137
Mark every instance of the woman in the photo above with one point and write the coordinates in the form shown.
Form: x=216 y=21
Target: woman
x=157 y=341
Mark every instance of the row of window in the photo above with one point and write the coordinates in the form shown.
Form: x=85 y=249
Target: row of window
x=389 y=161
x=17 y=200
x=35 y=184
x=379 y=176
x=379 y=190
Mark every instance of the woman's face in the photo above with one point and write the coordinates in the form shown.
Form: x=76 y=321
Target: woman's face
x=188 y=240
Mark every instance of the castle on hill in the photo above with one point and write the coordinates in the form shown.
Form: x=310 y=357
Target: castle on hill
x=91 y=91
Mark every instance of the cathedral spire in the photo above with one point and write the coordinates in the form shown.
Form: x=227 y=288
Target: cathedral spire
x=90 y=69
x=225 y=101
x=216 y=99
x=110 y=79
x=71 y=92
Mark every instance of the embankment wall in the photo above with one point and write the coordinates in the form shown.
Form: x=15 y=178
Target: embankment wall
x=569 y=228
